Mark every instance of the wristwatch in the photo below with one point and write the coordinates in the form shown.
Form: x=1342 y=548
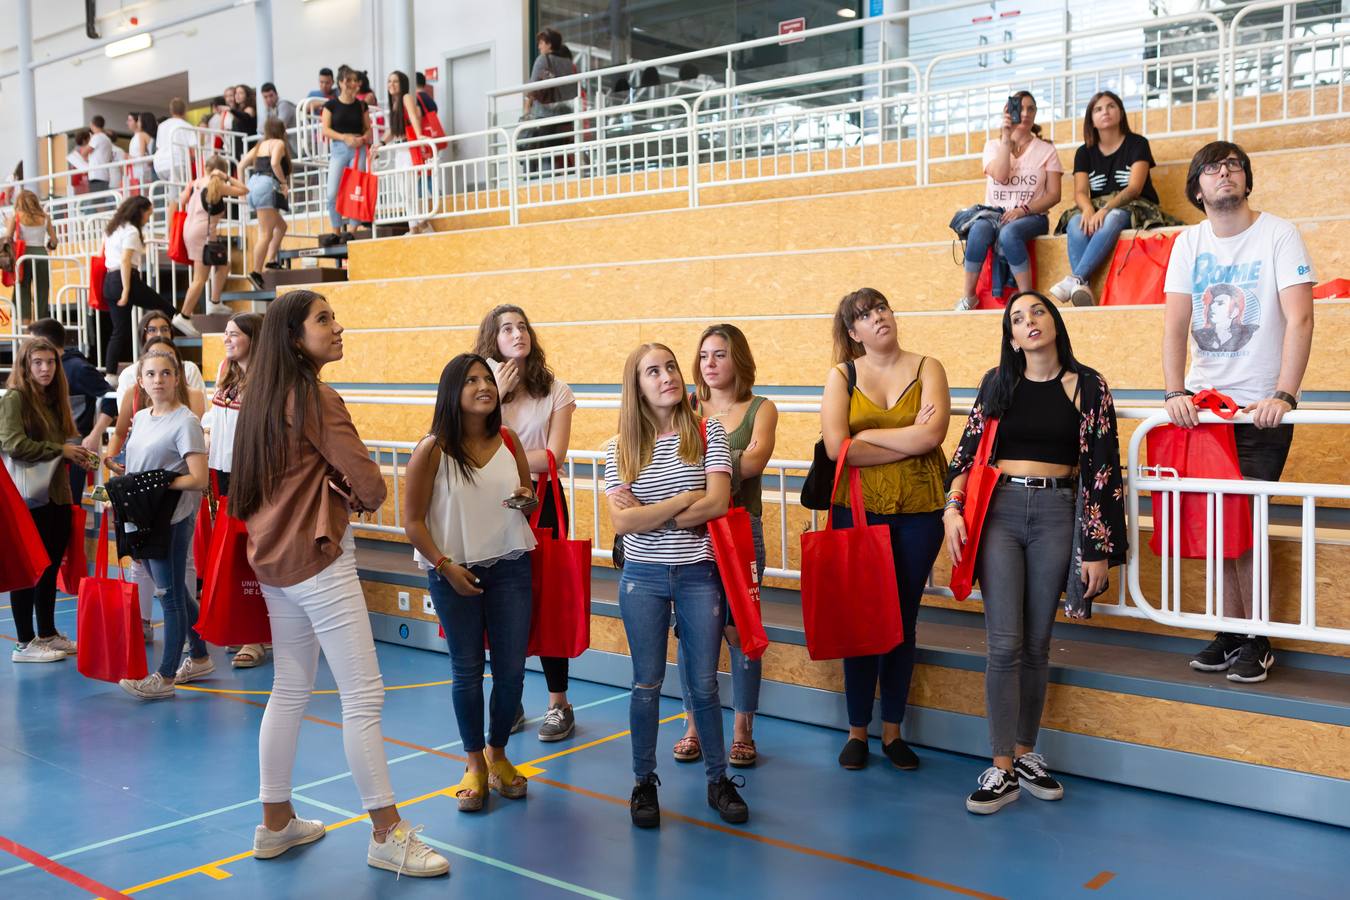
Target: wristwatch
x=669 y=525
x=1287 y=398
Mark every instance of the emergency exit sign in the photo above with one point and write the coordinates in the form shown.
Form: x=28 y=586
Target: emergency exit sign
x=792 y=26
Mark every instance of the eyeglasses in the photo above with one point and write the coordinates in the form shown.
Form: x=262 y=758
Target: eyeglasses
x=1232 y=164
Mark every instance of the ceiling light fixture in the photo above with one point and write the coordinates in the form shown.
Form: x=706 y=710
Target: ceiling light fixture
x=130 y=45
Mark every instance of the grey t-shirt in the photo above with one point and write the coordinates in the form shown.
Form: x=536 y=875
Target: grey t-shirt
x=164 y=442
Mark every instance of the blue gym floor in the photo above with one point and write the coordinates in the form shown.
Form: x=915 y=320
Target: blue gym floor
x=104 y=794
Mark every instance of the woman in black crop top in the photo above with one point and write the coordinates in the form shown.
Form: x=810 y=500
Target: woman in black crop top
x=346 y=125
x=1055 y=524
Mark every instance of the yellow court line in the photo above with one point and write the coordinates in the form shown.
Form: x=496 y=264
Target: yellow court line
x=214 y=870
x=396 y=687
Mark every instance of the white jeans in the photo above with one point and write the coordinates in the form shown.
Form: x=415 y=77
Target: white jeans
x=327 y=611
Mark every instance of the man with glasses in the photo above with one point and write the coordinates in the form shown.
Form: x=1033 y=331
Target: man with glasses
x=1239 y=286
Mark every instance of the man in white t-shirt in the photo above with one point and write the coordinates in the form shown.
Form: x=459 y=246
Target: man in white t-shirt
x=1239 y=286
x=172 y=157
x=100 y=156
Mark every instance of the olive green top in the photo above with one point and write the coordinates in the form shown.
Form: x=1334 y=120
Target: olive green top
x=16 y=443
x=749 y=489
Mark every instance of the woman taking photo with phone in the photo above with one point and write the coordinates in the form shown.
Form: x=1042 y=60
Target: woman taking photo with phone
x=538 y=407
x=300 y=470
x=666 y=475
x=468 y=495
x=895 y=405
x=1059 y=496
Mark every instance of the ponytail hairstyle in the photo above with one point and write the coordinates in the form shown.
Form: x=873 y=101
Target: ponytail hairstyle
x=637 y=422
x=851 y=308
x=447 y=422
x=1020 y=95
x=231 y=384
x=283 y=386
x=215 y=187
x=45 y=410
x=1003 y=380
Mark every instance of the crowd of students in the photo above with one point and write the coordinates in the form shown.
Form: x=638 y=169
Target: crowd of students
x=284 y=449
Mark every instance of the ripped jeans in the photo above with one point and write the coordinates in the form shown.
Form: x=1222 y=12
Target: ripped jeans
x=646 y=593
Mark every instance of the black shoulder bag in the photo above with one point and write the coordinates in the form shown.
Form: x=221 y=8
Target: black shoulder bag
x=817 y=488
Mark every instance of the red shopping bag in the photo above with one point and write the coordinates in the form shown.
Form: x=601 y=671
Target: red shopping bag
x=733 y=546
x=356 y=191
x=560 y=576
x=178 y=251
x=8 y=277
x=850 y=599
x=1205 y=451
x=98 y=268
x=1138 y=267
x=431 y=123
x=24 y=558
x=980 y=484
x=108 y=623
x=984 y=285
x=1336 y=287
x=233 y=609
x=206 y=516
x=74 y=566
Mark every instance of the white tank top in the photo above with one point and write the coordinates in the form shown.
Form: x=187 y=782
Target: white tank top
x=467 y=520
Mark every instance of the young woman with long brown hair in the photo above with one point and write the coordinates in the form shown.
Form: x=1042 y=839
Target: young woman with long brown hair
x=35 y=228
x=300 y=470
x=124 y=286
x=268 y=195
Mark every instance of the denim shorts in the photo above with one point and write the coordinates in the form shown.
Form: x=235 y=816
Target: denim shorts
x=262 y=192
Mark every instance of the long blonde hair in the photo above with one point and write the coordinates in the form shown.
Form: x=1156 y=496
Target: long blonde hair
x=27 y=205
x=638 y=425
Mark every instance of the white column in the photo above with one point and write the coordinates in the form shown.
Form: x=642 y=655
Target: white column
x=27 y=91
x=262 y=30
x=400 y=13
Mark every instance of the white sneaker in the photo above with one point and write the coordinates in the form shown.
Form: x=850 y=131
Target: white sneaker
x=191 y=670
x=183 y=325
x=1082 y=295
x=268 y=844
x=35 y=652
x=219 y=309
x=1064 y=290
x=154 y=687
x=404 y=853
x=965 y=303
x=58 y=642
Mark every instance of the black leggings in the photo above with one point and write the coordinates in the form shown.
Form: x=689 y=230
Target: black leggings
x=555 y=667
x=53 y=525
x=143 y=296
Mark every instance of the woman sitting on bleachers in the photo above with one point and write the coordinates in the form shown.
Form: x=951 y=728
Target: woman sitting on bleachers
x=1112 y=191
x=1023 y=183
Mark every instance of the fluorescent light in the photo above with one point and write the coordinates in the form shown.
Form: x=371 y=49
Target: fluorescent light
x=130 y=45
x=847 y=12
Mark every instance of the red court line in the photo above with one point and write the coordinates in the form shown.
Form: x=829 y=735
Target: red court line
x=1099 y=880
x=52 y=867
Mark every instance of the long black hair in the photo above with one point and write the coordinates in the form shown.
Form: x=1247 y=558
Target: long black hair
x=447 y=422
x=129 y=212
x=1002 y=381
x=283 y=392
x=398 y=115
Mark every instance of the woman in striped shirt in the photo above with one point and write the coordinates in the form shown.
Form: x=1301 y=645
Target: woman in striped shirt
x=666 y=475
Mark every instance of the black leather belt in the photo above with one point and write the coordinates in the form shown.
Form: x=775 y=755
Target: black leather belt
x=1039 y=481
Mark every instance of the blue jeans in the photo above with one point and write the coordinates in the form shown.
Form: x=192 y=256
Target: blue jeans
x=646 y=593
x=746 y=674
x=1012 y=241
x=1088 y=252
x=915 y=540
x=180 y=609
x=339 y=157
x=503 y=611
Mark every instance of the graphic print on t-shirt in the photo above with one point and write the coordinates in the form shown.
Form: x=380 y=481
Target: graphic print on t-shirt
x=1097 y=181
x=1225 y=307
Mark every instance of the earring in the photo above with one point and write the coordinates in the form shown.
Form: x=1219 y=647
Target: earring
x=1016 y=349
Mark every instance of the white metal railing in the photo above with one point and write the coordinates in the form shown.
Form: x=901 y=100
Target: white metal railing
x=1167 y=491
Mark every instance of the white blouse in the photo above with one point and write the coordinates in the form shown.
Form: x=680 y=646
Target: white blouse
x=467 y=520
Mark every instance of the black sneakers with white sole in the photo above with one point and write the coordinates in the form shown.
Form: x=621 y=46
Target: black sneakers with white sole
x=1220 y=653
x=1254 y=660
x=998 y=788
x=1036 y=778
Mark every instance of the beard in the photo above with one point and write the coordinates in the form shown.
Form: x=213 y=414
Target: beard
x=1224 y=203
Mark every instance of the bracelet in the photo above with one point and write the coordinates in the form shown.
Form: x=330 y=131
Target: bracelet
x=955 y=495
x=957 y=505
x=443 y=561
x=1287 y=398
x=1170 y=394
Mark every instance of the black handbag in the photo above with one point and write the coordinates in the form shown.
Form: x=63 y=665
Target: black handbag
x=214 y=252
x=818 y=486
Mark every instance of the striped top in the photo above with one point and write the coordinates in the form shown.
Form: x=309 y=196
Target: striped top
x=664 y=477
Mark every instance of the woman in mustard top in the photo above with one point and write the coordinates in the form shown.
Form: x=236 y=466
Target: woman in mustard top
x=895 y=405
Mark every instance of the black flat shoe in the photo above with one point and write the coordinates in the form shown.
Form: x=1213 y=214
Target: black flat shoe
x=898 y=752
x=854 y=755
x=643 y=806
x=728 y=802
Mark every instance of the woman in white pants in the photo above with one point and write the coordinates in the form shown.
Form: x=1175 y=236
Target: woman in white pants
x=299 y=469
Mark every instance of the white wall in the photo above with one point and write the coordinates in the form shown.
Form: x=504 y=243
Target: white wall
x=219 y=49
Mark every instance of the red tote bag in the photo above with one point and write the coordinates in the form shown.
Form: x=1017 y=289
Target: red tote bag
x=1138 y=268
x=431 y=123
x=984 y=285
x=733 y=545
x=75 y=564
x=178 y=251
x=233 y=609
x=108 y=623
x=980 y=484
x=206 y=517
x=560 y=576
x=24 y=558
x=356 y=190
x=1205 y=451
x=98 y=268
x=850 y=599
x=8 y=277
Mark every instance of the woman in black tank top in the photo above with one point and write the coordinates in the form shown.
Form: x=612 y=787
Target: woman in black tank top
x=1055 y=524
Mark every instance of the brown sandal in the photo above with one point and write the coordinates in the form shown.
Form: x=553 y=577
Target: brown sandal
x=688 y=749
x=743 y=754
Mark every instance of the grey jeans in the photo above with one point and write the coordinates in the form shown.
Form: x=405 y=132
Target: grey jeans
x=1022 y=565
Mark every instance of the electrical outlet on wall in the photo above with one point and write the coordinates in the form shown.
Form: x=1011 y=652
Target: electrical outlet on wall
x=427 y=606
x=404 y=601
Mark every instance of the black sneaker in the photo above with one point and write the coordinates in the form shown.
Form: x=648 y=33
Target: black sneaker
x=643 y=805
x=519 y=724
x=898 y=752
x=1253 y=661
x=257 y=279
x=854 y=754
x=723 y=797
x=1036 y=778
x=1220 y=653
x=997 y=789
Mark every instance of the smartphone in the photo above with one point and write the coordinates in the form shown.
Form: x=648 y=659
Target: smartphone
x=1014 y=109
x=341 y=492
x=519 y=502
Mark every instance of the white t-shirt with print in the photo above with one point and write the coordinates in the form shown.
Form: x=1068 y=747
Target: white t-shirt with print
x=1237 y=324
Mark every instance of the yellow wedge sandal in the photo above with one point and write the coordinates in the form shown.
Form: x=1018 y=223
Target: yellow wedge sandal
x=471 y=792
x=502 y=778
